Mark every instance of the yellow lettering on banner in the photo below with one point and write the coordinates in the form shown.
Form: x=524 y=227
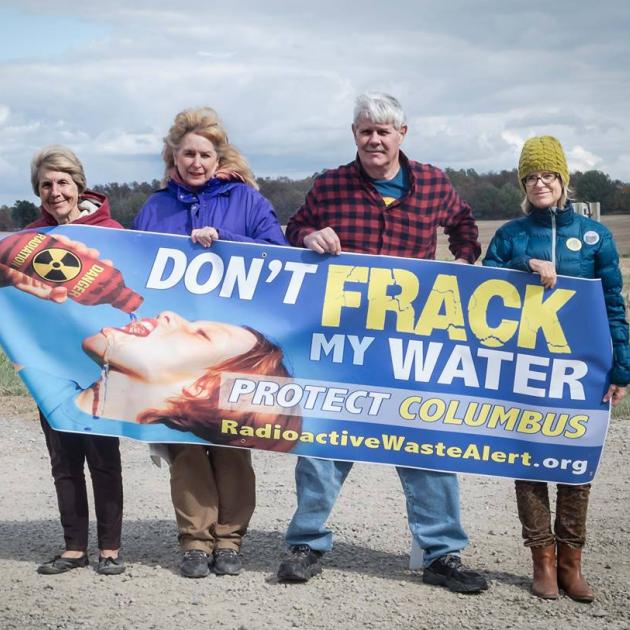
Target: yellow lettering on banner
x=471 y=452
x=496 y=336
x=530 y=422
x=451 y=410
x=443 y=309
x=379 y=302
x=336 y=296
x=229 y=426
x=499 y=415
x=469 y=417
x=404 y=407
x=431 y=410
x=540 y=314
x=577 y=424
x=27 y=249
x=553 y=425
x=392 y=442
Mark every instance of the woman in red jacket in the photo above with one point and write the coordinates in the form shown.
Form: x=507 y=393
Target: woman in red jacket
x=58 y=180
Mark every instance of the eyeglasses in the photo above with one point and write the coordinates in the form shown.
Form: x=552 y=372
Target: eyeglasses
x=545 y=178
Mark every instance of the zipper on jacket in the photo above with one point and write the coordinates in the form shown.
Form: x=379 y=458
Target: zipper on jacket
x=553 y=236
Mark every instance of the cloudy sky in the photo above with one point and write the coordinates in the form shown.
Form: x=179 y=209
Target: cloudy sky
x=475 y=78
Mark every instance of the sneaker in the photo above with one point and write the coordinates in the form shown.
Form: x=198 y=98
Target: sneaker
x=59 y=564
x=450 y=572
x=194 y=564
x=227 y=562
x=110 y=566
x=300 y=564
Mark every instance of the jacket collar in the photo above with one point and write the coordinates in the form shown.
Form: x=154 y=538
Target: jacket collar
x=185 y=194
x=563 y=216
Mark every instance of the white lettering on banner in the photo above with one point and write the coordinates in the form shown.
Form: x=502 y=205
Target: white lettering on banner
x=273 y=394
x=208 y=271
x=417 y=361
x=337 y=344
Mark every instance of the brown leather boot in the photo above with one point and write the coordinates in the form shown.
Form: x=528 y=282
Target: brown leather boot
x=545 y=583
x=570 y=578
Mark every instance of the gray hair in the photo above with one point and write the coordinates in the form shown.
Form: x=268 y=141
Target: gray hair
x=57 y=158
x=379 y=108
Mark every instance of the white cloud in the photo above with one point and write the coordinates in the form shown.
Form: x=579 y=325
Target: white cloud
x=122 y=143
x=475 y=81
x=580 y=159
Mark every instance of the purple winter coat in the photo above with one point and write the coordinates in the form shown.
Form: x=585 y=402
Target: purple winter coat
x=236 y=210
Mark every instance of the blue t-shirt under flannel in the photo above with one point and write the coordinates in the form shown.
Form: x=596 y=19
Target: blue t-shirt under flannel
x=392 y=189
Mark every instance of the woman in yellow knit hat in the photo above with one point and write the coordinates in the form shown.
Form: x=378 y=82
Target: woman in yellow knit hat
x=552 y=239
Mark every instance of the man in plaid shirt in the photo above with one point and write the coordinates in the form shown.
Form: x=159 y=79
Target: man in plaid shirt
x=382 y=203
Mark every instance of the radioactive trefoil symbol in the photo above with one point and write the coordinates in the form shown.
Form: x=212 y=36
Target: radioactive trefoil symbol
x=56 y=265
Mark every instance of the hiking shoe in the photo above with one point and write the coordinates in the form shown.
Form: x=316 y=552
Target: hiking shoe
x=300 y=564
x=194 y=564
x=59 y=564
x=450 y=572
x=110 y=566
x=227 y=562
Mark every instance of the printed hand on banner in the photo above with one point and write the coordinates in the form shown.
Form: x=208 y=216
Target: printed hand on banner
x=81 y=248
x=205 y=236
x=37 y=288
x=323 y=241
x=13 y=277
x=615 y=393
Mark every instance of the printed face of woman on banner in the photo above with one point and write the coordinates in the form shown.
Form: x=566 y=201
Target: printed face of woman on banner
x=168 y=370
x=168 y=348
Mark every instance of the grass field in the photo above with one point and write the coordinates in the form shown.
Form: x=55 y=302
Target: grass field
x=11 y=385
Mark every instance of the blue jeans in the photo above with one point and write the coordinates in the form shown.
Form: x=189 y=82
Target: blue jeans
x=432 y=506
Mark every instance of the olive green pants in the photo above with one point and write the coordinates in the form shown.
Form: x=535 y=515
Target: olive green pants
x=214 y=495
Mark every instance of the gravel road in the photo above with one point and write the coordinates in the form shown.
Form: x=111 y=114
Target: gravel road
x=366 y=582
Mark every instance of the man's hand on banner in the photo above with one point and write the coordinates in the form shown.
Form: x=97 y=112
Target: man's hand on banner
x=614 y=394
x=323 y=241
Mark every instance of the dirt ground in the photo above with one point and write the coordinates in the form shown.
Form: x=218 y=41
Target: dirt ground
x=365 y=583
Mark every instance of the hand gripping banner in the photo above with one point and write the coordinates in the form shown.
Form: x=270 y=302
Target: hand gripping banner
x=378 y=359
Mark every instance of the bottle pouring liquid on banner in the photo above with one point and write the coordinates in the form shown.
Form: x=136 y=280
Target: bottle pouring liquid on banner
x=57 y=263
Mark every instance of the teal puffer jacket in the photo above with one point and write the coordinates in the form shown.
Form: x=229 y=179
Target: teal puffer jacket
x=579 y=247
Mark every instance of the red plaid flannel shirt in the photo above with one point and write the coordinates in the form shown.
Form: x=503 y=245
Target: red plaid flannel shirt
x=345 y=200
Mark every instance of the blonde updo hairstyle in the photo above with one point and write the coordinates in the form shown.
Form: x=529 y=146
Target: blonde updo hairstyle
x=204 y=121
x=57 y=158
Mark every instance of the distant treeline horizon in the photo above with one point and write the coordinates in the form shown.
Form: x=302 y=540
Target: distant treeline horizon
x=491 y=195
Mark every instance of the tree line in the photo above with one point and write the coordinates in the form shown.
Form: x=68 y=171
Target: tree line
x=491 y=195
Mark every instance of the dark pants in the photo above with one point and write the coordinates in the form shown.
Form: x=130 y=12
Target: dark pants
x=68 y=453
x=532 y=498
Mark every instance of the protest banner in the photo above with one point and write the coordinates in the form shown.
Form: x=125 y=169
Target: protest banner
x=378 y=359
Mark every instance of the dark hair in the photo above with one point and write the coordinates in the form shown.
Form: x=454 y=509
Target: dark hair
x=197 y=409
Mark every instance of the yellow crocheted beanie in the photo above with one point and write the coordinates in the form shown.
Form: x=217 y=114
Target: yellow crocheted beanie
x=542 y=153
